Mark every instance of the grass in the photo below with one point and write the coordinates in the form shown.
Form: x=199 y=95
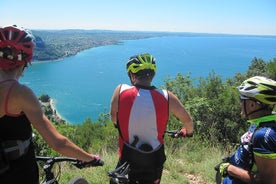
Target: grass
x=189 y=163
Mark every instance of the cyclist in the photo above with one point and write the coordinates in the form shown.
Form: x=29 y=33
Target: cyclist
x=20 y=110
x=141 y=111
x=255 y=159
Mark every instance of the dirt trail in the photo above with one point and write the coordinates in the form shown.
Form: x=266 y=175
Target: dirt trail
x=195 y=179
x=192 y=178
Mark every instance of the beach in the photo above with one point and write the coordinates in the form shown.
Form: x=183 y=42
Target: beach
x=55 y=112
x=52 y=114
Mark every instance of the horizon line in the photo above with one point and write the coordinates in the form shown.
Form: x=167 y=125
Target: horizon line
x=177 y=32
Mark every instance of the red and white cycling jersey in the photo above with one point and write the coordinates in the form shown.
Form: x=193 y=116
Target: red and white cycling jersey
x=144 y=113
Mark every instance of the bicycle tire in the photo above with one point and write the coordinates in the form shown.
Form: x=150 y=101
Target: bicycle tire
x=218 y=178
x=78 y=180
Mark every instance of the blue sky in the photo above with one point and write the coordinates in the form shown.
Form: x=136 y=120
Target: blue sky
x=205 y=16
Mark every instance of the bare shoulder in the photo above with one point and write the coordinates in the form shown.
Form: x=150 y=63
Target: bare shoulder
x=20 y=89
x=117 y=89
x=175 y=104
x=21 y=97
x=266 y=168
x=23 y=93
x=173 y=98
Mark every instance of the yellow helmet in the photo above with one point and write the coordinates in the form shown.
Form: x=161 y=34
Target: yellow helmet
x=259 y=88
x=141 y=62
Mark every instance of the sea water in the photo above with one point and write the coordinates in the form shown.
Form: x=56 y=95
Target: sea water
x=82 y=85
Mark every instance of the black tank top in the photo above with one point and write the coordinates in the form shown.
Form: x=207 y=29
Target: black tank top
x=24 y=169
x=15 y=128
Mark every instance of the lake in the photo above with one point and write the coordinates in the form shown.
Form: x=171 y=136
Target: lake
x=82 y=85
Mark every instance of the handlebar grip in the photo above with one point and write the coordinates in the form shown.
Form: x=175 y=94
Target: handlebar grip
x=176 y=134
x=183 y=133
x=94 y=163
x=179 y=133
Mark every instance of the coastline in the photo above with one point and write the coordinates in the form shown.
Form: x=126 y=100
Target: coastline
x=56 y=116
x=47 y=61
x=54 y=109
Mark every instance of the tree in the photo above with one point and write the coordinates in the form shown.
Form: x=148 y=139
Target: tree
x=271 y=69
x=44 y=98
x=213 y=105
x=257 y=67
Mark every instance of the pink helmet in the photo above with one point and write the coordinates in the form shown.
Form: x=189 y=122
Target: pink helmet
x=16 y=47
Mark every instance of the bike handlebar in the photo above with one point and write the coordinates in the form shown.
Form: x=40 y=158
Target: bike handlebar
x=177 y=133
x=79 y=164
x=94 y=163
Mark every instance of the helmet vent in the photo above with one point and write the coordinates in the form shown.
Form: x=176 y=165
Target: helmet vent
x=271 y=99
x=272 y=87
x=252 y=83
x=16 y=47
x=25 y=38
x=250 y=88
x=1 y=38
x=7 y=35
x=267 y=92
x=15 y=35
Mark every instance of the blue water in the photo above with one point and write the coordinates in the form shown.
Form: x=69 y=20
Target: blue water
x=82 y=85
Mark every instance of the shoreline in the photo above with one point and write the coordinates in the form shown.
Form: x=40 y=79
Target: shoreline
x=46 y=61
x=55 y=112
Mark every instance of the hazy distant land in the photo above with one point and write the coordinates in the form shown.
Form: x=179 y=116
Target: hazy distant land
x=58 y=44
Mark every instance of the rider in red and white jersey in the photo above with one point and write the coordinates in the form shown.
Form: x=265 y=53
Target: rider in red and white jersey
x=141 y=111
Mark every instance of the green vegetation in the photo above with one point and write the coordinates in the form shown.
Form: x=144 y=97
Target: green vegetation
x=48 y=109
x=214 y=106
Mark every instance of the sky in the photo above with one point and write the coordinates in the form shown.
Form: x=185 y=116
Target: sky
x=254 y=17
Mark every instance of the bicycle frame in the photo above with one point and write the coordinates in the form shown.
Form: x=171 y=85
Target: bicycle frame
x=49 y=162
x=120 y=174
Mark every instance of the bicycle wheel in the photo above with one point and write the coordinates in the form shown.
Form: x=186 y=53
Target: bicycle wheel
x=218 y=178
x=78 y=180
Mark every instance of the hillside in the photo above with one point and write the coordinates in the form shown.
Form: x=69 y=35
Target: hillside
x=217 y=120
x=57 y=44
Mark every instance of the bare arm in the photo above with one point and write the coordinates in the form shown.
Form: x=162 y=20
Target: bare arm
x=241 y=174
x=29 y=104
x=114 y=104
x=178 y=109
x=266 y=169
x=266 y=172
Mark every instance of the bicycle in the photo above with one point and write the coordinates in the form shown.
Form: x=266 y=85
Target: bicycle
x=120 y=174
x=51 y=178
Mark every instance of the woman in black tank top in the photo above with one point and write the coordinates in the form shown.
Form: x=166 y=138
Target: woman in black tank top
x=19 y=109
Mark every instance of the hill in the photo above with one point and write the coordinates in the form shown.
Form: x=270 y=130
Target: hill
x=57 y=44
